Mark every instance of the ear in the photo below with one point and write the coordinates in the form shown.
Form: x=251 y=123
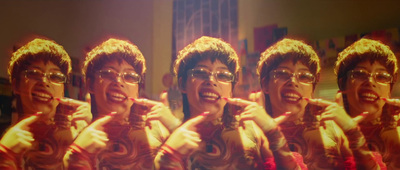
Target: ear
x=181 y=86
x=340 y=84
x=90 y=85
x=15 y=87
x=264 y=86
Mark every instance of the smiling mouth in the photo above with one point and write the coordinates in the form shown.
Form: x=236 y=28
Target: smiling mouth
x=291 y=97
x=40 y=96
x=116 y=97
x=209 y=96
x=368 y=96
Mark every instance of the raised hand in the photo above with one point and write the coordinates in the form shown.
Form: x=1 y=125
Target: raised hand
x=81 y=110
x=93 y=138
x=395 y=102
x=186 y=138
x=159 y=111
x=253 y=111
x=258 y=97
x=19 y=138
x=336 y=112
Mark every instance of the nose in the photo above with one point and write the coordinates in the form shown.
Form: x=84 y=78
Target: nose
x=292 y=81
x=44 y=81
x=119 y=81
x=211 y=80
x=370 y=82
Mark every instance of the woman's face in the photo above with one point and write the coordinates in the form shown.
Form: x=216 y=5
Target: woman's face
x=205 y=93
x=37 y=91
x=286 y=93
x=112 y=93
x=364 y=94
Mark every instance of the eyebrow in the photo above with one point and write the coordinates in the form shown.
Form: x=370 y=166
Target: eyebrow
x=51 y=69
x=222 y=67
x=362 y=67
x=284 y=67
x=115 y=69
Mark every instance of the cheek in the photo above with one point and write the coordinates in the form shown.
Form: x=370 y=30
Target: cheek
x=59 y=90
x=133 y=90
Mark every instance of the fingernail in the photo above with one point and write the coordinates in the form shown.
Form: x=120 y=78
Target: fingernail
x=364 y=114
x=205 y=113
x=258 y=91
x=339 y=91
x=286 y=113
x=384 y=99
x=133 y=99
x=164 y=91
x=58 y=99
x=306 y=98
x=112 y=114
x=38 y=113
x=225 y=98
x=253 y=91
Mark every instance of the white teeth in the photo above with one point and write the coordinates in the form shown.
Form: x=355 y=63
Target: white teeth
x=117 y=96
x=41 y=96
x=291 y=95
x=369 y=95
x=209 y=94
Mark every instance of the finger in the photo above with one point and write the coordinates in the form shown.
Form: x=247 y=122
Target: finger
x=70 y=102
x=237 y=101
x=395 y=102
x=260 y=98
x=319 y=102
x=164 y=98
x=360 y=117
x=102 y=121
x=252 y=96
x=26 y=137
x=100 y=137
x=145 y=102
x=339 y=98
x=29 y=120
x=191 y=123
x=282 y=118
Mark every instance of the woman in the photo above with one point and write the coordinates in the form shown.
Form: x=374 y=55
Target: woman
x=289 y=71
x=366 y=72
x=47 y=123
x=211 y=137
x=125 y=135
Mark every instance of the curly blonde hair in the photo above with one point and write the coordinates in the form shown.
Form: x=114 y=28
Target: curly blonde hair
x=38 y=49
x=113 y=49
x=364 y=50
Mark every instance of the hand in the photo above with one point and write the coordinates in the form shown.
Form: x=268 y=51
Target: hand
x=333 y=111
x=18 y=138
x=253 y=111
x=81 y=109
x=93 y=138
x=395 y=102
x=186 y=138
x=258 y=97
x=159 y=111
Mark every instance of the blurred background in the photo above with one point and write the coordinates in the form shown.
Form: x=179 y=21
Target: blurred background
x=160 y=28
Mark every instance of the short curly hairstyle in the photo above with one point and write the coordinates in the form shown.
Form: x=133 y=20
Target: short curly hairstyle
x=113 y=49
x=283 y=50
x=38 y=49
x=286 y=49
x=364 y=50
x=202 y=49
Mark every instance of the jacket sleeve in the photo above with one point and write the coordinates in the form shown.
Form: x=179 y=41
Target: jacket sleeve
x=168 y=159
x=9 y=159
x=78 y=158
x=284 y=158
x=363 y=157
